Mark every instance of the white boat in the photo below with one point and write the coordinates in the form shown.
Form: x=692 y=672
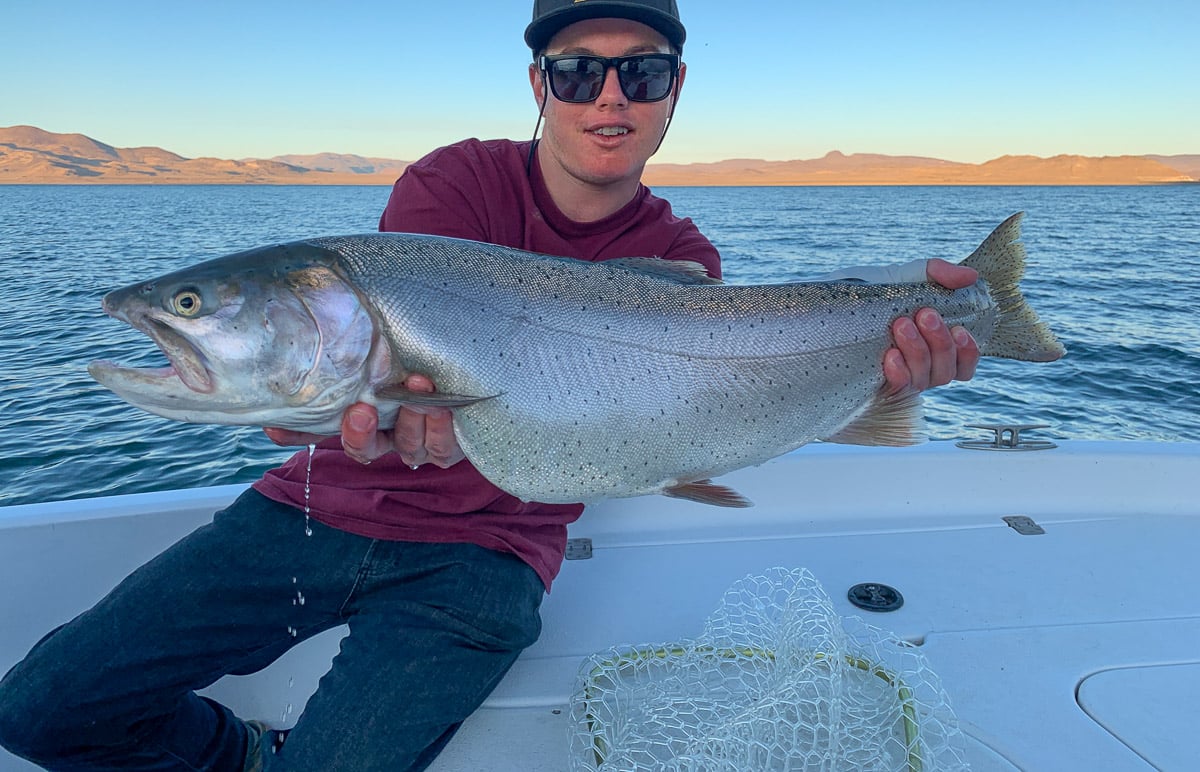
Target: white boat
x=1077 y=648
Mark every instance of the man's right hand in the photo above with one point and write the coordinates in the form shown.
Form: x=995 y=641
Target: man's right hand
x=421 y=434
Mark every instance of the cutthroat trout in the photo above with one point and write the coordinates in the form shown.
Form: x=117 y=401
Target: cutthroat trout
x=570 y=381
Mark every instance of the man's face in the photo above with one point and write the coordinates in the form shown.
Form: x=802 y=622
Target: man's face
x=609 y=140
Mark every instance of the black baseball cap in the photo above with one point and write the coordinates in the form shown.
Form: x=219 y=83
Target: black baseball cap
x=549 y=16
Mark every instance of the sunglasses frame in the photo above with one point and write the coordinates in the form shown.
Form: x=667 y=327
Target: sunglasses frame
x=610 y=62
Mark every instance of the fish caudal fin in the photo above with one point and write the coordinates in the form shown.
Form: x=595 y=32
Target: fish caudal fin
x=1019 y=333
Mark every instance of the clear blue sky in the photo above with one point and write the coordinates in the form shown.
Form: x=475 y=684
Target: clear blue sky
x=959 y=80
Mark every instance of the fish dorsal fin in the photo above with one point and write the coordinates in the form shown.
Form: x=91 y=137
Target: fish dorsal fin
x=678 y=271
x=708 y=492
x=890 y=418
x=426 y=398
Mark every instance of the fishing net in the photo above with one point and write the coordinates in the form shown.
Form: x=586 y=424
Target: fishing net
x=777 y=681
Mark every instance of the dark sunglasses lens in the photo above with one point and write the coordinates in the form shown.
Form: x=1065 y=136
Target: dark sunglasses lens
x=581 y=78
x=577 y=79
x=645 y=79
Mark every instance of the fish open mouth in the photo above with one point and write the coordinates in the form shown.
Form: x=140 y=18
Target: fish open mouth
x=187 y=364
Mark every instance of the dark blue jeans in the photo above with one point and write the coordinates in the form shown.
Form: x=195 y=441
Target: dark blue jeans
x=433 y=628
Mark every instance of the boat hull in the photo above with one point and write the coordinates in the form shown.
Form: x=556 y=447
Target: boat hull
x=1043 y=642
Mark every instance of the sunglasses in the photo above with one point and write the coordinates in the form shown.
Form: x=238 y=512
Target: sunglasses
x=578 y=79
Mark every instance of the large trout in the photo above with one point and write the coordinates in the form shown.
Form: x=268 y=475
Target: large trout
x=570 y=381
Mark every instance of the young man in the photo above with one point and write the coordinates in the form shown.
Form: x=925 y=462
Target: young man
x=438 y=574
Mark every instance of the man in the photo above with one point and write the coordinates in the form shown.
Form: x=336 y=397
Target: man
x=438 y=574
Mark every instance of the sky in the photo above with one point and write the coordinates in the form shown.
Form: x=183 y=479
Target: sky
x=963 y=81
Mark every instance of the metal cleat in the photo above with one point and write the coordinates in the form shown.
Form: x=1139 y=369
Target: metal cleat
x=1007 y=437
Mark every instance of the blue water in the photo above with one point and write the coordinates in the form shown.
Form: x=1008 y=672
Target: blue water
x=1115 y=271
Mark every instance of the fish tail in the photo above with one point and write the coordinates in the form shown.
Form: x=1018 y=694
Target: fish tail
x=1019 y=334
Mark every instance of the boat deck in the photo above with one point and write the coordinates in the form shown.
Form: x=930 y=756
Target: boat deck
x=1072 y=649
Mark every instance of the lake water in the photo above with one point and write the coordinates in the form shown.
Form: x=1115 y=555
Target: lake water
x=1115 y=271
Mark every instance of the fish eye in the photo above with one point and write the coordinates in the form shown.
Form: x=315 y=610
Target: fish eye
x=186 y=302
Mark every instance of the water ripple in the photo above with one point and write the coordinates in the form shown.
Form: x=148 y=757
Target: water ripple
x=1112 y=270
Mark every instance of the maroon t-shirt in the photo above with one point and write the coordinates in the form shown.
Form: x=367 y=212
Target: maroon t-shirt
x=477 y=190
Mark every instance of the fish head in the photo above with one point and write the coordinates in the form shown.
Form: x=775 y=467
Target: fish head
x=269 y=337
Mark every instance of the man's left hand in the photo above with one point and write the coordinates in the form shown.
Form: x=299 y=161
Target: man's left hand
x=927 y=352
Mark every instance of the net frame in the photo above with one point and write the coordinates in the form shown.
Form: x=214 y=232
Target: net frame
x=776 y=681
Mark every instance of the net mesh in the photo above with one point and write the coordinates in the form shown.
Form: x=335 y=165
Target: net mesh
x=777 y=681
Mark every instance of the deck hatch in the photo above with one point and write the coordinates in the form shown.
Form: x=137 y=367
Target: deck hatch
x=579 y=549
x=1024 y=525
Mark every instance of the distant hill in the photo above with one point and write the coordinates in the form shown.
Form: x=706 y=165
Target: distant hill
x=835 y=168
x=31 y=155
x=869 y=169
x=343 y=163
x=1188 y=164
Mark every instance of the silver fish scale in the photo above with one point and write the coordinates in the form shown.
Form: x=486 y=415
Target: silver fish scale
x=594 y=366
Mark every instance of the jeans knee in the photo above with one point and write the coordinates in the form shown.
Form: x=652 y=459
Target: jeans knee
x=37 y=717
x=20 y=717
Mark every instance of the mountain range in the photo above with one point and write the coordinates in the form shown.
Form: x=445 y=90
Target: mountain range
x=31 y=155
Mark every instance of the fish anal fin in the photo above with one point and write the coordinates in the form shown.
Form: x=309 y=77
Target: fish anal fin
x=708 y=492
x=890 y=418
x=426 y=398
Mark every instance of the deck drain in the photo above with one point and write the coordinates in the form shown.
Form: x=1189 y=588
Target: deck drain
x=872 y=596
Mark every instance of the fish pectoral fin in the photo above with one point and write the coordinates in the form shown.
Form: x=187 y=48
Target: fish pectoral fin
x=890 y=418
x=427 y=398
x=708 y=492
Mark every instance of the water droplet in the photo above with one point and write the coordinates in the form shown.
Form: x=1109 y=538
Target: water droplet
x=308 y=490
x=298 y=600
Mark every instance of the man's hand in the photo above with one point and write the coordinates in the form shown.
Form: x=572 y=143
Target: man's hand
x=927 y=353
x=421 y=434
